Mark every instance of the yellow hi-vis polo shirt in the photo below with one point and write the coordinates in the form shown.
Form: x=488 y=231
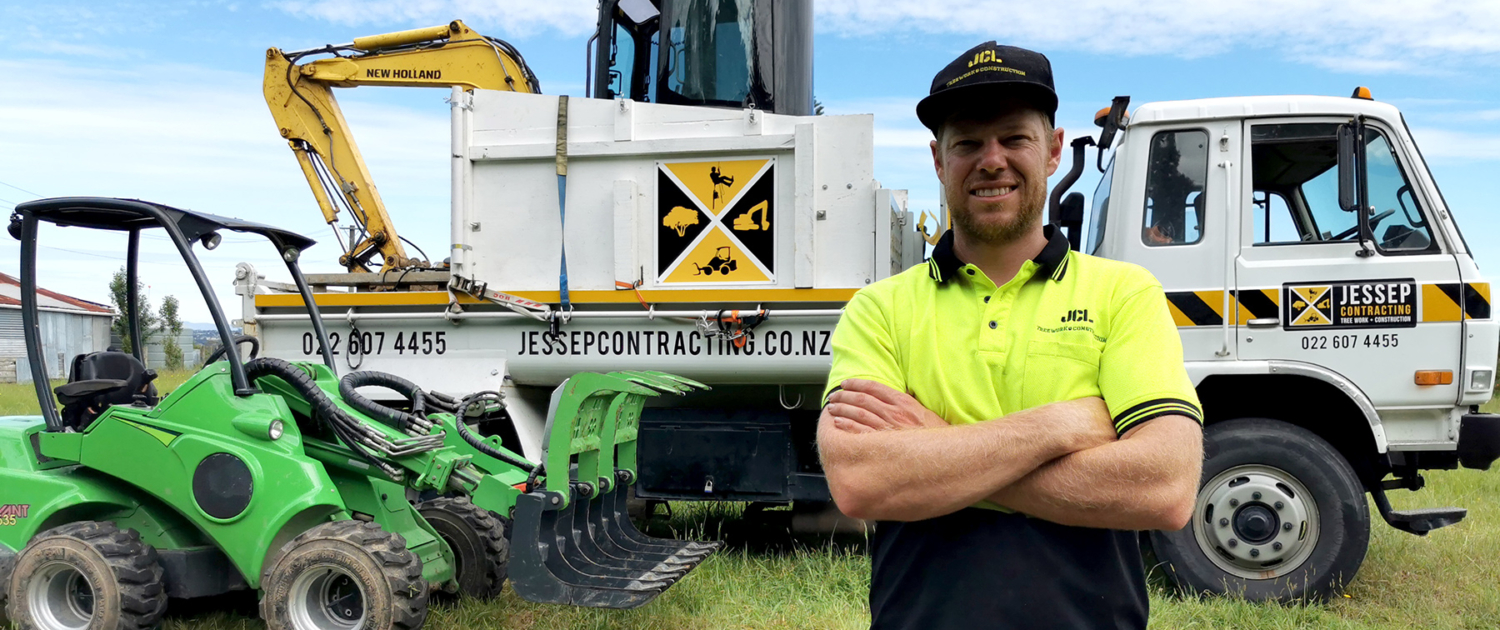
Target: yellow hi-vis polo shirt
x=1067 y=326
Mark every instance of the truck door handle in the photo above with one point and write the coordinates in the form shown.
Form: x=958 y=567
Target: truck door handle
x=1264 y=322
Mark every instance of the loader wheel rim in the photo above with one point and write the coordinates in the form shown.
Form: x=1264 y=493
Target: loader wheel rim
x=1256 y=522
x=61 y=598
x=327 y=598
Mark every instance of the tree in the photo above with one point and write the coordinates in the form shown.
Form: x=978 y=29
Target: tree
x=121 y=326
x=172 y=326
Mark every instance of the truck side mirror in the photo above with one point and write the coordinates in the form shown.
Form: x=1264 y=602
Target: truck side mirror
x=1071 y=219
x=1348 y=167
x=1110 y=122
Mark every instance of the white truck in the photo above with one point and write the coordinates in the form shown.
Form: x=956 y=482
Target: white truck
x=1337 y=351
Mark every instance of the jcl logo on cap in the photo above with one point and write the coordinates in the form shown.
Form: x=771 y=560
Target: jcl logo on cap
x=983 y=56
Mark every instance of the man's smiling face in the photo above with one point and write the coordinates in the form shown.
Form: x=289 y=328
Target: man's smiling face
x=994 y=165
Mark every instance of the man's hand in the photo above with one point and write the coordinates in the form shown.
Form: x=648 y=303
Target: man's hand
x=864 y=406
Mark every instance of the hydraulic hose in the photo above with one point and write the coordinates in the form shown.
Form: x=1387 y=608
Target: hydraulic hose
x=474 y=441
x=348 y=430
x=349 y=389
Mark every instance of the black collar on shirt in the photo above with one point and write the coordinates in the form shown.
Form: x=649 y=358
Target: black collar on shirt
x=1052 y=261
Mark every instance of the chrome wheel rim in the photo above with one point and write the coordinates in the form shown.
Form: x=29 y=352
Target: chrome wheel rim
x=1256 y=522
x=326 y=597
x=60 y=598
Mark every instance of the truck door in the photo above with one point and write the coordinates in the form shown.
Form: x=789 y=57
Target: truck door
x=1310 y=291
x=1187 y=228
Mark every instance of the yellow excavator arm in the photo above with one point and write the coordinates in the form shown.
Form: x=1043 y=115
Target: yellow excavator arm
x=300 y=96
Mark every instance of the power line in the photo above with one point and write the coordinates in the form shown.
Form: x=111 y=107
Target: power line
x=23 y=190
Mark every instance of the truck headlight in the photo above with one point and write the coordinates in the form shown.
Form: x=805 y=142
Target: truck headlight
x=1479 y=380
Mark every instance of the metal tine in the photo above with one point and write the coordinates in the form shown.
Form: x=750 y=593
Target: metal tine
x=616 y=519
x=580 y=551
x=645 y=380
x=611 y=518
x=569 y=565
x=585 y=556
x=532 y=577
x=690 y=383
x=623 y=528
x=662 y=379
x=605 y=552
x=625 y=406
x=600 y=524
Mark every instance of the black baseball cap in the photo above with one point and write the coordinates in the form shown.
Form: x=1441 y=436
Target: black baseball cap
x=990 y=70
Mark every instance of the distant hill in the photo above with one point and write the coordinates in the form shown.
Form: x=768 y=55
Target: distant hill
x=206 y=332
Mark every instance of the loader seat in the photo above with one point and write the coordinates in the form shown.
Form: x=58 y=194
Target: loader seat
x=100 y=379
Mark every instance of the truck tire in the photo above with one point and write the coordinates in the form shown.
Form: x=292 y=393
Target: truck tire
x=1280 y=515
x=344 y=575
x=86 y=575
x=477 y=538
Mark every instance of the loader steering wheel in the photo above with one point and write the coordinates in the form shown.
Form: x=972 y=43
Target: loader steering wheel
x=1374 y=221
x=218 y=354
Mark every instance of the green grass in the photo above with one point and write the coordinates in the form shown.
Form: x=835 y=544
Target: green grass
x=768 y=578
x=19 y=399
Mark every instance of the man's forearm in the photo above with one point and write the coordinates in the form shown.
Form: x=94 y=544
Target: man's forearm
x=916 y=474
x=1148 y=480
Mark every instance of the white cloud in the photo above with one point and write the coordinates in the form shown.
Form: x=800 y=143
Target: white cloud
x=1348 y=35
x=1452 y=144
x=568 y=17
x=208 y=144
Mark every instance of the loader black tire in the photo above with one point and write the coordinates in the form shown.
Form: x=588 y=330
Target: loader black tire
x=88 y=574
x=344 y=575
x=477 y=538
x=1319 y=552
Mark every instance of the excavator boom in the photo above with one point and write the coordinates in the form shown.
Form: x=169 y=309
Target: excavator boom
x=300 y=96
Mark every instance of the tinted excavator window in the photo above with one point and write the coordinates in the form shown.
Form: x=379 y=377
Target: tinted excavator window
x=710 y=51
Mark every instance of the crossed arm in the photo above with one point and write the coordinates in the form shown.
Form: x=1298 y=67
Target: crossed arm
x=889 y=458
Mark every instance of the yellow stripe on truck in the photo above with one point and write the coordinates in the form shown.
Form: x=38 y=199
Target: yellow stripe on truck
x=1438 y=306
x=430 y=298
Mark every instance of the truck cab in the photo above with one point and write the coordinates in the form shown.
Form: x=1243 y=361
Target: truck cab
x=1323 y=292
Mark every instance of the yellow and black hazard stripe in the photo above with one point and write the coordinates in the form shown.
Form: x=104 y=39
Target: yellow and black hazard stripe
x=1451 y=302
x=1125 y=420
x=1441 y=302
x=1206 y=308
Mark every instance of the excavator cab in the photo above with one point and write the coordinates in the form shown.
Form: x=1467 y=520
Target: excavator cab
x=754 y=54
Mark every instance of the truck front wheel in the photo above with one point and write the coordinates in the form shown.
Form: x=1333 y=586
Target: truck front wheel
x=1280 y=516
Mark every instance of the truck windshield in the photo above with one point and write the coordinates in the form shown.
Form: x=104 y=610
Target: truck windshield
x=710 y=51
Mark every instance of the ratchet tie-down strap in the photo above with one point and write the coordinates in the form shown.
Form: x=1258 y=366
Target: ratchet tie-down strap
x=562 y=203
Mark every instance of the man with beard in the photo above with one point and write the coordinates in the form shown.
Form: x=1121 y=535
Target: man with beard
x=1011 y=412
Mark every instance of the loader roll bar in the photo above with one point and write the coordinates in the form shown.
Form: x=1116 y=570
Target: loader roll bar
x=132 y=216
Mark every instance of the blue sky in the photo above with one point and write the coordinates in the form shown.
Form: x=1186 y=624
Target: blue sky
x=161 y=100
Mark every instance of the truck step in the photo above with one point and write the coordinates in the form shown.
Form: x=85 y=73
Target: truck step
x=1417 y=522
x=1421 y=521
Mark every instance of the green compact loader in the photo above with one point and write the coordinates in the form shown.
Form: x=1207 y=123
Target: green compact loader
x=283 y=477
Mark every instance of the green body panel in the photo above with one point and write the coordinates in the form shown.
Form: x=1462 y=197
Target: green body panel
x=41 y=496
x=385 y=503
x=157 y=450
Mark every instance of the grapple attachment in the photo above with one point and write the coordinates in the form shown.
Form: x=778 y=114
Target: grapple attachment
x=573 y=542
